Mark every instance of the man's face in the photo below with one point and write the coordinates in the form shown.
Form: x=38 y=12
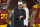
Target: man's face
x=4 y=6
x=20 y=6
x=24 y=5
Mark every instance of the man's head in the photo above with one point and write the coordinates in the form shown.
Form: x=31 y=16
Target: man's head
x=4 y=6
x=20 y=4
x=25 y=4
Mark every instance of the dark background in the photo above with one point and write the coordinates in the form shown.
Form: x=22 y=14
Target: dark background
x=13 y=3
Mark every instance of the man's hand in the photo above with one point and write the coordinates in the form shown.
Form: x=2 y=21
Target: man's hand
x=21 y=16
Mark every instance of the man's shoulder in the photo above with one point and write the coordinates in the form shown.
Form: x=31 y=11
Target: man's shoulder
x=23 y=9
x=16 y=9
x=26 y=8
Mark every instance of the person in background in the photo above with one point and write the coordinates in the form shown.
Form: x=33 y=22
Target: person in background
x=12 y=19
x=4 y=16
x=27 y=13
x=34 y=9
x=19 y=15
x=36 y=15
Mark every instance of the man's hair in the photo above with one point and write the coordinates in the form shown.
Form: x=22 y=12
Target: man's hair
x=25 y=2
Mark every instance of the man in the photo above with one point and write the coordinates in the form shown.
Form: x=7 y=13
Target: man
x=4 y=13
x=34 y=10
x=12 y=19
x=19 y=15
x=27 y=13
x=36 y=15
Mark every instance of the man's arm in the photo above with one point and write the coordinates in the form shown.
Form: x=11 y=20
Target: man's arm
x=24 y=15
x=16 y=16
x=32 y=16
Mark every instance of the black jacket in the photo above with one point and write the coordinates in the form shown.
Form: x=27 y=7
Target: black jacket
x=18 y=13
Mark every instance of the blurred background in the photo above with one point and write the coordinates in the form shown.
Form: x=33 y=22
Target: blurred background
x=12 y=4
